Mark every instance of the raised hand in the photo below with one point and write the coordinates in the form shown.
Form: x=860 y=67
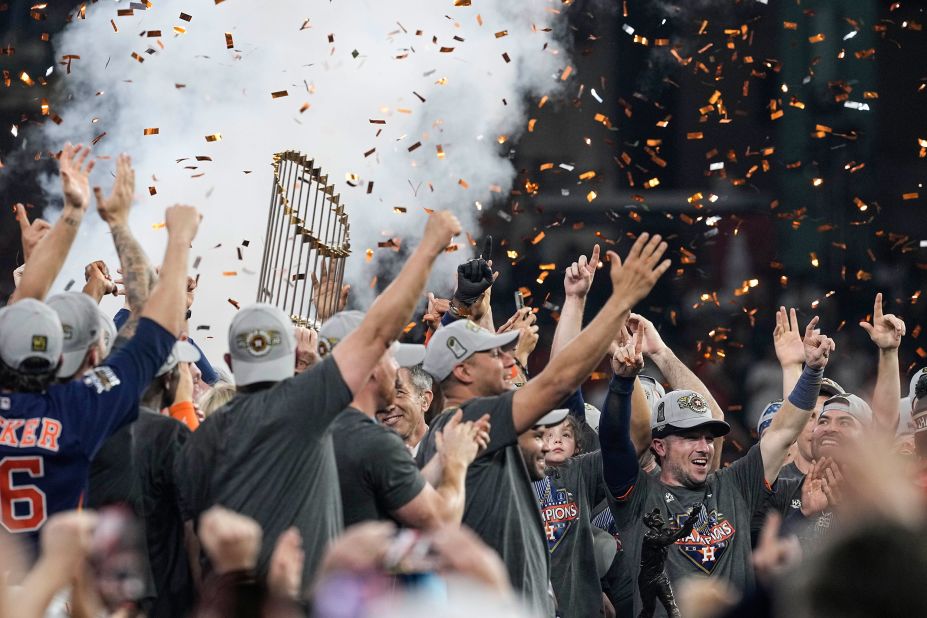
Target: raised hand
x=66 y=540
x=437 y=307
x=232 y=541
x=307 y=348
x=473 y=279
x=115 y=208
x=285 y=571
x=817 y=346
x=633 y=279
x=652 y=342
x=31 y=233
x=787 y=338
x=458 y=441
x=326 y=296
x=182 y=221
x=97 y=274
x=628 y=359
x=886 y=330
x=579 y=275
x=442 y=226
x=75 y=176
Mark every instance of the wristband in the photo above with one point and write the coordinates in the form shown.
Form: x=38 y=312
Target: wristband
x=621 y=386
x=185 y=412
x=805 y=394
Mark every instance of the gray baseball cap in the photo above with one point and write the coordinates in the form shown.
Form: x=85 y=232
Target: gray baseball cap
x=554 y=417
x=458 y=341
x=653 y=390
x=81 y=326
x=107 y=331
x=262 y=343
x=683 y=410
x=343 y=323
x=31 y=339
x=182 y=352
x=850 y=404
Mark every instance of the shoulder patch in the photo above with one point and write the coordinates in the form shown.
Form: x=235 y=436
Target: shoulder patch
x=101 y=378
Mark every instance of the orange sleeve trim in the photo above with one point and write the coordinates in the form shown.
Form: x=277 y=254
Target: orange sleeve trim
x=184 y=412
x=626 y=494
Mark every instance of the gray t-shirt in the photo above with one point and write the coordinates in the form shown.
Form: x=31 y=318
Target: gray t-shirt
x=720 y=543
x=567 y=496
x=375 y=469
x=269 y=455
x=500 y=505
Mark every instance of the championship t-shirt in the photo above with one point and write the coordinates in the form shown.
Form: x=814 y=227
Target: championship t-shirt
x=500 y=505
x=566 y=497
x=376 y=472
x=47 y=440
x=719 y=544
x=269 y=455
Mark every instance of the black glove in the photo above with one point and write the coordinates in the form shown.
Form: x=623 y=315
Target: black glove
x=473 y=278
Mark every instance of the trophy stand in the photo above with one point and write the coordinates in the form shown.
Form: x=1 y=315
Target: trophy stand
x=307 y=242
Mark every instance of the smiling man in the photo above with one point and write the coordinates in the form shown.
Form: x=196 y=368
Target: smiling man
x=683 y=433
x=406 y=415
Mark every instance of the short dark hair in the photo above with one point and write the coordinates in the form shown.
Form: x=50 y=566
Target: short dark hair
x=920 y=388
x=36 y=379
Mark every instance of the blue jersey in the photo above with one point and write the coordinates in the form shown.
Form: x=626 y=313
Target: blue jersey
x=48 y=439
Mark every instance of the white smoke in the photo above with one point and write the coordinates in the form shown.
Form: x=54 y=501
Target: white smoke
x=351 y=61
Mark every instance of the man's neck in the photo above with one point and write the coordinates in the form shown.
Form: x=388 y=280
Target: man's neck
x=804 y=466
x=671 y=481
x=417 y=434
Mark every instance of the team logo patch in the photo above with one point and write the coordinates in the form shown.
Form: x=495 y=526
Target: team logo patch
x=456 y=348
x=325 y=347
x=258 y=342
x=101 y=378
x=559 y=512
x=693 y=402
x=711 y=537
x=68 y=332
x=39 y=343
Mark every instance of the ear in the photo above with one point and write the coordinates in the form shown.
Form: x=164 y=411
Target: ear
x=658 y=446
x=228 y=361
x=461 y=373
x=427 y=397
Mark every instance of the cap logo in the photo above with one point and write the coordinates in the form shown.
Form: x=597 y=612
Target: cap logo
x=68 y=332
x=694 y=403
x=472 y=326
x=456 y=348
x=325 y=347
x=39 y=343
x=258 y=342
x=661 y=413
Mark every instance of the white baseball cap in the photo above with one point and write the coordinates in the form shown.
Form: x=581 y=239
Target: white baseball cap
x=681 y=410
x=343 y=323
x=31 y=339
x=554 y=417
x=182 y=352
x=458 y=341
x=80 y=324
x=107 y=331
x=262 y=343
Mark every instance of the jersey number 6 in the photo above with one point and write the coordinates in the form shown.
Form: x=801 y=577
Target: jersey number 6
x=29 y=495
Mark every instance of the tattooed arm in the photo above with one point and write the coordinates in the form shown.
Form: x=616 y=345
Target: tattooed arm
x=50 y=253
x=137 y=273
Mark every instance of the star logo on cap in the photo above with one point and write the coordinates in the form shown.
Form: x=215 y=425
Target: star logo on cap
x=694 y=402
x=259 y=342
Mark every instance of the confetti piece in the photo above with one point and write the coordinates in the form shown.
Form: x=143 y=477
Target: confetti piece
x=910 y=196
x=229 y=273
x=152 y=131
x=137 y=57
x=158 y=226
x=234 y=303
x=501 y=34
x=591 y=196
x=414 y=146
x=463 y=183
x=587 y=175
x=817 y=38
x=215 y=137
x=279 y=94
x=186 y=17
x=566 y=73
x=229 y=44
x=538 y=238
x=461 y=2
x=695 y=135
x=152 y=190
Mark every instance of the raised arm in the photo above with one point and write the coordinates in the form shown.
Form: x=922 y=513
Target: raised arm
x=631 y=282
x=50 y=253
x=789 y=349
x=360 y=351
x=137 y=274
x=678 y=375
x=576 y=284
x=619 y=457
x=627 y=362
x=167 y=303
x=795 y=411
x=886 y=332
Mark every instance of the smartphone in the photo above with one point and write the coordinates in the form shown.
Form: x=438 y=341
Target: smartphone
x=519 y=301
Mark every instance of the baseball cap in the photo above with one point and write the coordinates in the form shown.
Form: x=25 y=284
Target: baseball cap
x=830 y=388
x=554 y=417
x=81 y=327
x=682 y=410
x=262 y=344
x=458 y=341
x=653 y=390
x=31 y=339
x=593 y=416
x=107 y=331
x=182 y=352
x=344 y=323
x=850 y=404
x=766 y=417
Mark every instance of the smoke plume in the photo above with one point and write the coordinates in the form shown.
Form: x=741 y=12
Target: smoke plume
x=456 y=79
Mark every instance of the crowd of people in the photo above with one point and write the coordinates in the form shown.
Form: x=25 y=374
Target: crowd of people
x=340 y=473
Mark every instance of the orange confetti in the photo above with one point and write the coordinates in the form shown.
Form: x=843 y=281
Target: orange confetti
x=279 y=94
x=463 y=183
x=215 y=137
x=152 y=131
x=910 y=196
x=229 y=44
x=695 y=135
x=566 y=73
x=538 y=238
